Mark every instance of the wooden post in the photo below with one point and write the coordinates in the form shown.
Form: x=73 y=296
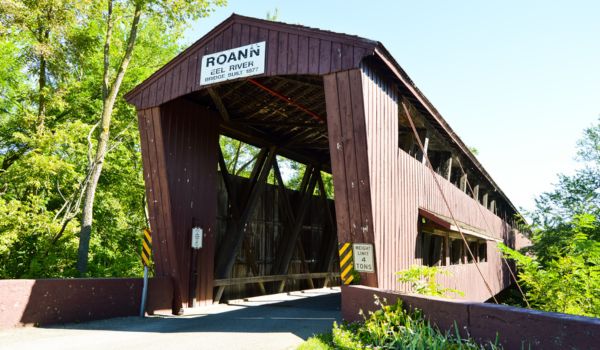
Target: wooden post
x=425 y=147
x=463 y=183
x=476 y=192
x=447 y=250
x=449 y=168
x=484 y=199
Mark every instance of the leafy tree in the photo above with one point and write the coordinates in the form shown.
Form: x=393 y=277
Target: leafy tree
x=561 y=270
x=239 y=156
x=273 y=16
x=45 y=163
x=117 y=54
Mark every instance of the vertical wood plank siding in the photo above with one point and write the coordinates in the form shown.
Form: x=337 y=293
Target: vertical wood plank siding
x=157 y=192
x=290 y=50
x=191 y=143
x=400 y=185
x=381 y=119
x=349 y=159
x=179 y=148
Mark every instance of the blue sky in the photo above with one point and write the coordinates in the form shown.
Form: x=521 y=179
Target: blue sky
x=518 y=80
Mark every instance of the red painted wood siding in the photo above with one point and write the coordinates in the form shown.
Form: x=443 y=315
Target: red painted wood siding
x=179 y=148
x=191 y=144
x=349 y=162
x=400 y=184
x=157 y=194
x=290 y=50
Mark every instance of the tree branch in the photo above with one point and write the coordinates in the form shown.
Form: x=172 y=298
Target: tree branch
x=128 y=53
x=91 y=145
x=109 y=27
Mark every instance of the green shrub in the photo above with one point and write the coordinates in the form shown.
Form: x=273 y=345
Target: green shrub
x=566 y=278
x=391 y=327
x=422 y=280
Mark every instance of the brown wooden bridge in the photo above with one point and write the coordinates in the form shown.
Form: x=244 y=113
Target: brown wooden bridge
x=404 y=182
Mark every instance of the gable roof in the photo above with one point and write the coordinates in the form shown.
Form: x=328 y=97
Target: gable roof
x=293 y=49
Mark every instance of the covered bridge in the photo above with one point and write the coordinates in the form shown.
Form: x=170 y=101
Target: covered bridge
x=405 y=185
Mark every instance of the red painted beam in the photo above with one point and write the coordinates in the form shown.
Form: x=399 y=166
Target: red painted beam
x=288 y=100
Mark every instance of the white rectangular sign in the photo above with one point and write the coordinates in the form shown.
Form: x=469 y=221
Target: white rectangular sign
x=363 y=257
x=240 y=62
x=197 y=237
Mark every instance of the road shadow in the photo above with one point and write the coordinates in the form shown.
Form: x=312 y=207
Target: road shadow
x=310 y=314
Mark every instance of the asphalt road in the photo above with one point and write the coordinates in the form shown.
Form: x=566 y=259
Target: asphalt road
x=278 y=321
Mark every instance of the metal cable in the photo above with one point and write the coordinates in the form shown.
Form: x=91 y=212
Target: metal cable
x=489 y=229
x=414 y=129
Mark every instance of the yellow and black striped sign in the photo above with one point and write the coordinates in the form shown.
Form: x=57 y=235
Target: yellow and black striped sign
x=346 y=263
x=146 y=247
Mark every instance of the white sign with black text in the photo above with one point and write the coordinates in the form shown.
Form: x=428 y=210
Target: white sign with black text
x=240 y=62
x=363 y=257
x=197 y=237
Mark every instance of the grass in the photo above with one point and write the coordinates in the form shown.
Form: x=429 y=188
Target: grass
x=318 y=342
x=392 y=327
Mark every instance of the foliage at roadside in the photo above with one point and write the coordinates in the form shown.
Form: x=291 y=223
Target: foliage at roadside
x=392 y=327
x=52 y=59
x=561 y=270
x=422 y=280
x=566 y=278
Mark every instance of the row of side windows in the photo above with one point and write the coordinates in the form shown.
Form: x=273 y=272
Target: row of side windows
x=441 y=249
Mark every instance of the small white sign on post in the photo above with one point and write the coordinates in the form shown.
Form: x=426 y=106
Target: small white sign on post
x=236 y=63
x=363 y=257
x=197 y=237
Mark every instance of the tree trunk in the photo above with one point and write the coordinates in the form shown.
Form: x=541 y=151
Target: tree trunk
x=88 y=204
x=42 y=99
x=43 y=39
x=109 y=98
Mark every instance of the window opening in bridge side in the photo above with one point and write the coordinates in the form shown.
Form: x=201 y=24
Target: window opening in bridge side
x=456 y=251
x=442 y=247
x=482 y=251
x=433 y=248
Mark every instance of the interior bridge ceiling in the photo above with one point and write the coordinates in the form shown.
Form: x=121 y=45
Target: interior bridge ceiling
x=283 y=111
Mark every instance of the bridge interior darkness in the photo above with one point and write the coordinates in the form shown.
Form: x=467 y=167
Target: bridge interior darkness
x=272 y=237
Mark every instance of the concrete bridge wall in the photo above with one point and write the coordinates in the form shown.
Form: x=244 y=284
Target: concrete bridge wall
x=517 y=328
x=50 y=301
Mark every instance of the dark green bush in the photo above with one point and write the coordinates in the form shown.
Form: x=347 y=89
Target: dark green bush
x=391 y=327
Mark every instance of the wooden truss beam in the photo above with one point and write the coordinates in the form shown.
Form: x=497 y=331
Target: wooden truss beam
x=218 y=103
x=293 y=222
x=273 y=278
x=233 y=240
x=234 y=218
x=288 y=100
x=260 y=139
